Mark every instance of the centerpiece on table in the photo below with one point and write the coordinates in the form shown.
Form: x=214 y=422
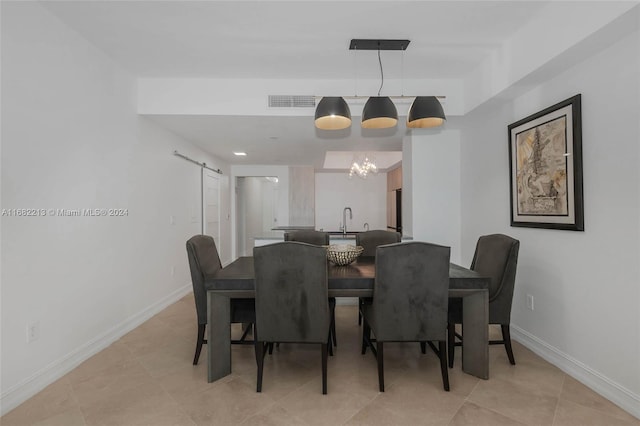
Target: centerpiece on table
x=343 y=254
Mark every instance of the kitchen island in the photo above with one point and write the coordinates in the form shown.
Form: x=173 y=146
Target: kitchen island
x=335 y=237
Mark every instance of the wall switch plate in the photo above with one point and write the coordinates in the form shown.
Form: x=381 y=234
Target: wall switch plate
x=173 y=271
x=530 y=301
x=172 y=220
x=33 y=331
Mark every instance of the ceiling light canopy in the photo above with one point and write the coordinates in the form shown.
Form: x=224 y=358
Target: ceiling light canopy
x=332 y=113
x=379 y=112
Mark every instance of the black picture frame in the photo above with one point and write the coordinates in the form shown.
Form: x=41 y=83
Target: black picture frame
x=545 y=168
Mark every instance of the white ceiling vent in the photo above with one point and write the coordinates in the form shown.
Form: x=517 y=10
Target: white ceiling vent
x=288 y=101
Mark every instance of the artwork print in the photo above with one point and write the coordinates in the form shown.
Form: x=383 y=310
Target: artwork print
x=542 y=169
x=546 y=168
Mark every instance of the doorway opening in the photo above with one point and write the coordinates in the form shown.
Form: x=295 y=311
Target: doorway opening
x=256 y=211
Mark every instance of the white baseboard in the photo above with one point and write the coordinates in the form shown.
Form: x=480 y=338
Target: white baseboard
x=599 y=383
x=30 y=386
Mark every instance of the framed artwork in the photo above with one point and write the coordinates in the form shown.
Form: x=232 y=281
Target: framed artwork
x=545 y=164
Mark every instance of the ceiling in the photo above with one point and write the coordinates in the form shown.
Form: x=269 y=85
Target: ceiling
x=291 y=40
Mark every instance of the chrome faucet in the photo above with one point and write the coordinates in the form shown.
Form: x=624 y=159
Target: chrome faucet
x=344 y=220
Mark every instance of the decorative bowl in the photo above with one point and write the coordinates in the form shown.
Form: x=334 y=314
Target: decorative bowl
x=343 y=254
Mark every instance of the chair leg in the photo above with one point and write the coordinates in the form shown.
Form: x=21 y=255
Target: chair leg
x=333 y=328
x=359 y=313
x=442 y=349
x=270 y=346
x=366 y=335
x=506 y=336
x=324 y=368
x=380 y=357
x=423 y=347
x=255 y=345
x=329 y=345
x=260 y=360
x=451 y=342
x=247 y=329
x=201 y=328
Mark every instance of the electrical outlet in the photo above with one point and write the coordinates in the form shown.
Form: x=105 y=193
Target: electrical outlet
x=172 y=220
x=173 y=271
x=33 y=331
x=530 y=301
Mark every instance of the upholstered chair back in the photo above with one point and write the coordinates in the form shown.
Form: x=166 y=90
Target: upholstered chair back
x=203 y=261
x=291 y=280
x=316 y=238
x=496 y=256
x=411 y=292
x=370 y=240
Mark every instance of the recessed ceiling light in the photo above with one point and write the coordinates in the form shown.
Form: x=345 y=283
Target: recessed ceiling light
x=240 y=154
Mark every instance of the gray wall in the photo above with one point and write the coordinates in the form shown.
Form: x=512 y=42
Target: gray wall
x=585 y=284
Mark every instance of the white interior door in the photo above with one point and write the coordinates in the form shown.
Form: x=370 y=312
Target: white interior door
x=211 y=206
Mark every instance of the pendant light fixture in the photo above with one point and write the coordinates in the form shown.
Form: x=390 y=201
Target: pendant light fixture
x=425 y=112
x=332 y=113
x=379 y=112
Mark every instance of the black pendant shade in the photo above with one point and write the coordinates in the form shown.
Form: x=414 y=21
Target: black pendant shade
x=379 y=113
x=425 y=112
x=332 y=113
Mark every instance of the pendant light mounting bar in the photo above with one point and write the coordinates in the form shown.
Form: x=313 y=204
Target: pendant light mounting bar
x=376 y=44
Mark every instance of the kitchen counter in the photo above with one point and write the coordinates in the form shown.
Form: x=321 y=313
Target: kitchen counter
x=336 y=238
x=342 y=233
x=293 y=228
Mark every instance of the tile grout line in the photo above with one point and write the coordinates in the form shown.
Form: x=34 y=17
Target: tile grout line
x=501 y=413
x=555 y=412
x=182 y=410
x=360 y=410
x=75 y=399
x=464 y=401
x=594 y=408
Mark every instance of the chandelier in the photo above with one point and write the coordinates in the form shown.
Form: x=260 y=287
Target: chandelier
x=363 y=169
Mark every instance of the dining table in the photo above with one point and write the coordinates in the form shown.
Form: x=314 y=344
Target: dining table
x=236 y=281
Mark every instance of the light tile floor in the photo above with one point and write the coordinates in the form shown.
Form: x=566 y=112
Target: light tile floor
x=146 y=378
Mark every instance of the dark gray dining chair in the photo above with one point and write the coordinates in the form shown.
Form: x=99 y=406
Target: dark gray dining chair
x=317 y=238
x=370 y=240
x=496 y=257
x=204 y=261
x=308 y=236
x=410 y=297
x=292 y=303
